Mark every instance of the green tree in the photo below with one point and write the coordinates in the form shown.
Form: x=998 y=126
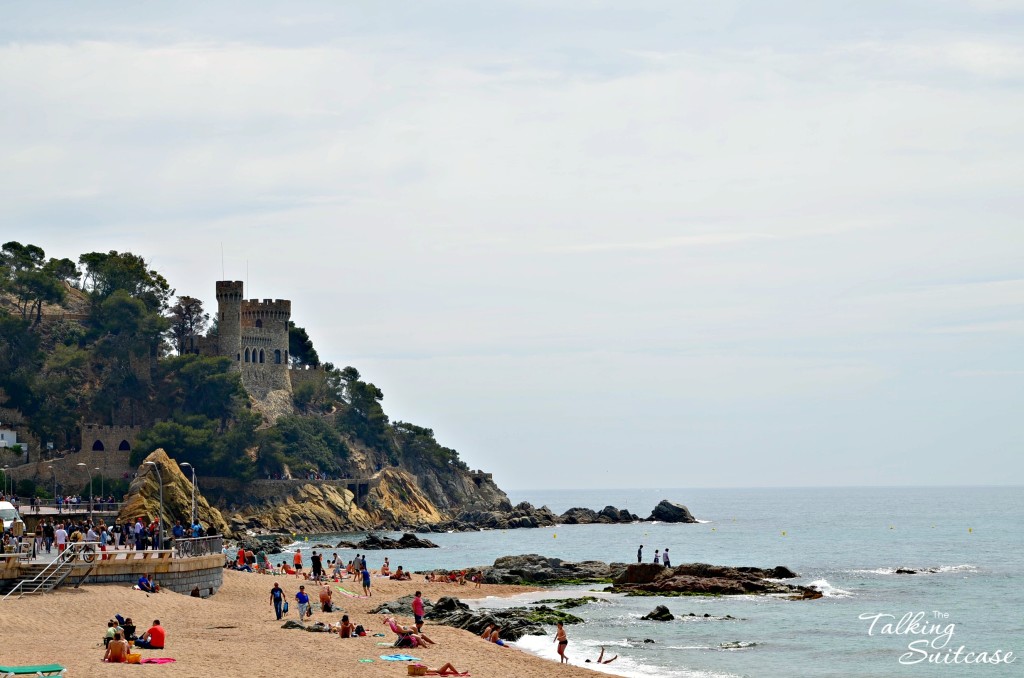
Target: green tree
x=188 y=320
x=300 y=346
x=105 y=274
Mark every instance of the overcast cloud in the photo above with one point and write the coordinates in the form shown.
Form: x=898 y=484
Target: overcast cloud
x=591 y=244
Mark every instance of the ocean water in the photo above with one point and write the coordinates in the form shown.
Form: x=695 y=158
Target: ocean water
x=847 y=541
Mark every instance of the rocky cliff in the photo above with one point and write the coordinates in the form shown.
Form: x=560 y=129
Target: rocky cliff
x=143 y=499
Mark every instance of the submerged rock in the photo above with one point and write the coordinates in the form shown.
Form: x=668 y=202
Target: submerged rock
x=659 y=613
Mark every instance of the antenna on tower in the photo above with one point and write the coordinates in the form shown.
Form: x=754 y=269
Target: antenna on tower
x=247 y=276
x=222 y=276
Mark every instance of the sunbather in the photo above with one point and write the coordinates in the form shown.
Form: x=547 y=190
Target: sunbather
x=447 y=670
x=117 y=650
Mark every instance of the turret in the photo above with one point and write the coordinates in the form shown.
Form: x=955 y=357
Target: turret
x=229 y=318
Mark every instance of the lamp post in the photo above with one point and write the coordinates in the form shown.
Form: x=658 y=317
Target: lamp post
x=6 y=476
x=193 y=469
x=160 y=480
x=54 y=485
x=82 y=463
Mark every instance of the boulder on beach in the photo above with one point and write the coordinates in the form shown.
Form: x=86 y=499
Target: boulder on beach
x=669 y=512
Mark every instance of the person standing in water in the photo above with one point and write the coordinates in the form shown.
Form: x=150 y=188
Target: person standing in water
x=563 y=642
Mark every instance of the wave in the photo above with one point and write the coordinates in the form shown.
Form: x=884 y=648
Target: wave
x=827 y=590
x=703 y=522
x=941 y=569
x=628 y=667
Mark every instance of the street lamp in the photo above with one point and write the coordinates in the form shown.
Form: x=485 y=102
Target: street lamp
x=6 y=476
x=54 y=485
x=193 y=469
x=82 y=463
x=160 y=480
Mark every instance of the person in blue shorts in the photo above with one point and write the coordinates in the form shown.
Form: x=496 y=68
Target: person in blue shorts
x=366 y=581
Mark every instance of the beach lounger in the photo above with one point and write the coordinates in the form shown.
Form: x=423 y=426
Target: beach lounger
x=40 y=670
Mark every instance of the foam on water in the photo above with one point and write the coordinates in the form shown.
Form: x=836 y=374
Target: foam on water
x=828 y=590
x=629 y=667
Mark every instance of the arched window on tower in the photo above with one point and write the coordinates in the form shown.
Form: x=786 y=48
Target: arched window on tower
x=125 y=446
x=277 y=356
x=246 y=355
x=97 y=446
x=261 y=355
x=259 y=322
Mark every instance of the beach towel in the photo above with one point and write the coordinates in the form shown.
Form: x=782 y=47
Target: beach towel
x=157 y=660
x=345 y=592
x=365 y=661
x=385 y=644
x=399 y=658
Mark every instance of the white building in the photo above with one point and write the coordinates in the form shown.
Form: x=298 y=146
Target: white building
x=8 y=438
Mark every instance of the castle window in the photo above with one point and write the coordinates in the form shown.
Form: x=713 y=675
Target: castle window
x=246 y=355
x=277 y=356
x=259 y=322
x=238 y=357
x=97 y=446
x=261 y=355
x=125 y=446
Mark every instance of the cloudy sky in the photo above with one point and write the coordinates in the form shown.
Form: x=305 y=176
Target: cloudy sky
x=591 y=244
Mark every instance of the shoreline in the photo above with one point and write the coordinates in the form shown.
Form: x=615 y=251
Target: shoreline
x=235 y=632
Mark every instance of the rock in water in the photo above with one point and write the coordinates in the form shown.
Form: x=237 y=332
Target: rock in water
x=660 y=613
x=668 y=512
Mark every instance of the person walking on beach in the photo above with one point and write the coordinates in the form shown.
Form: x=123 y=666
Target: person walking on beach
x=640 y=554
x=366 y=581
x=297 y=562
x=303 y=600
x=563 y=642
x=277 y=598
x=665 y=560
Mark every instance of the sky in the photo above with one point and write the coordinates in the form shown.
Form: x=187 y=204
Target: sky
x=591 y=244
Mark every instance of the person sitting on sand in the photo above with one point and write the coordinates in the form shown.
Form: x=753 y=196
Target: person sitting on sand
x=486 y=635
x=385 y=569
x=346 y=628
x=117 y=650
x=496 y=637
x=153 y=639
x=111 y=630
x=401 y=575
x=601 y=659
x=406 y=632
x=145 y=585
x=325 y=598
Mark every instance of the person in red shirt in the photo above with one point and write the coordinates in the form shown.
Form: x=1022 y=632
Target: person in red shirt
x=152 y=639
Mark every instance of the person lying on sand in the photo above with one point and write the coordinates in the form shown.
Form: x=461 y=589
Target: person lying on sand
x=601 y=659
x=404 y=631
x=447 y=670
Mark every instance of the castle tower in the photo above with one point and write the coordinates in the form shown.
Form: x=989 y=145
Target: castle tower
x=229 y=319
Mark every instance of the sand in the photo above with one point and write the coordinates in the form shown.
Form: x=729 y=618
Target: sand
x=235 y=633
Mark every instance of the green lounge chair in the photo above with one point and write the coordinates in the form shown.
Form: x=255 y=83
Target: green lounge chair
x=40 y=670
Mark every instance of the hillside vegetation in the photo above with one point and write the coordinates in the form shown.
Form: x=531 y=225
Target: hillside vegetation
x=106 y=339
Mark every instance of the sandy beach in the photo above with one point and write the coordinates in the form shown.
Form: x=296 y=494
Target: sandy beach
x=235 y=632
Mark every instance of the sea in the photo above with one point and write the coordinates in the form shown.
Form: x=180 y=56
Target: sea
x=961 y=615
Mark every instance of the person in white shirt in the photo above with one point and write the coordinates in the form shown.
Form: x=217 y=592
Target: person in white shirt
x=61 y=536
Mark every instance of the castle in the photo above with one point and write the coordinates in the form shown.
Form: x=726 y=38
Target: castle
x=254 y=334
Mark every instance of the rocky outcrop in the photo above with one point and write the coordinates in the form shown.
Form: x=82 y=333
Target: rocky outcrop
x=143 y=498
x=607 y=515
x=537 y=569
x=659 y=613
x=668 y=512
x=515 y=622
x=373 y=542
x=702 y=579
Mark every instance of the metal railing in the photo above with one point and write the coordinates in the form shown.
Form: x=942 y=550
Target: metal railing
x=57 y=570
x=198 y=546
x=80 y=507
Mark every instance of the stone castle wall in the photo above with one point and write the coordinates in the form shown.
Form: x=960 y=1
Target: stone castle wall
x=109 y=438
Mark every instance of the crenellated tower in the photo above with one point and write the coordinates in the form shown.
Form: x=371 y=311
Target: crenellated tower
x=229 y=319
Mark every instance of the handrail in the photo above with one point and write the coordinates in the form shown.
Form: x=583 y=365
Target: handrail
x=198 y=546
x=69 y=555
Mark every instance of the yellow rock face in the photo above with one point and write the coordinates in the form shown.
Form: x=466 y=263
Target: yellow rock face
x=144 y=496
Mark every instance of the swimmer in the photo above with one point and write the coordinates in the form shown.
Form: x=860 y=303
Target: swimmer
x=602 y=660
